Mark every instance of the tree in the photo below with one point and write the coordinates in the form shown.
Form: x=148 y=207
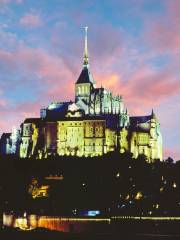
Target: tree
x=169 y=160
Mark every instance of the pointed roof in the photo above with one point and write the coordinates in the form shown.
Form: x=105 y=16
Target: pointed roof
x=32 y=120
x=140 y=124
x=139 y=119
x=85 y=76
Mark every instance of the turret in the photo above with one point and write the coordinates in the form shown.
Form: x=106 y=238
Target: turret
x=124 y=119
x=153 y=116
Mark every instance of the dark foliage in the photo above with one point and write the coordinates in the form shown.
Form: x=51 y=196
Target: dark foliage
x=115 y=184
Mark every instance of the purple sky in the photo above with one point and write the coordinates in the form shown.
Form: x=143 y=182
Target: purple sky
x=134 y=48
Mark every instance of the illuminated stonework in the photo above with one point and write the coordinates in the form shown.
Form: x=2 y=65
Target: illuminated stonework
x=9 y=142
x=94 y=124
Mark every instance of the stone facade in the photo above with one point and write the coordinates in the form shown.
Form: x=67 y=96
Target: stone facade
x=78 y=134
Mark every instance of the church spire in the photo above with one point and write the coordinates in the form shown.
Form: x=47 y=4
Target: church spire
x=86 y=59
x=85 y=76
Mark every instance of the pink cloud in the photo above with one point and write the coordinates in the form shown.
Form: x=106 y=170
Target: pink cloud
x=14 y=116
x=146 y=85
x=107 y=43
x=163 y=34
x=4 y=126
x=3 y=102
x=143 y=86
x=110 y=81
x=31 y=20
x=172 y=152
x=50 y=69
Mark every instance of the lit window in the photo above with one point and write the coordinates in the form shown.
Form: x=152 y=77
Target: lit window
x=118 y=175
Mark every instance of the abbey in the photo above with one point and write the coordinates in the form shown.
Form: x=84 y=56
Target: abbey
x=94 y=124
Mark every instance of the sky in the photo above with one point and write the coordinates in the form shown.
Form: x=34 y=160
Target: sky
x=134 y=50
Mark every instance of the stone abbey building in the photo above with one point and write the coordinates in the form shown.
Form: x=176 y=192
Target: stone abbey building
x=94 y=124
